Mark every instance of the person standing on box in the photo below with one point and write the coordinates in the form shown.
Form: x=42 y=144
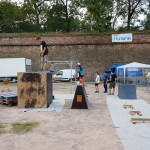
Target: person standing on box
x=43 y=54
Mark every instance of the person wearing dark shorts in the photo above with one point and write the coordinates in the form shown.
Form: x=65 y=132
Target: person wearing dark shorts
x=97 y=81
x=112 y=85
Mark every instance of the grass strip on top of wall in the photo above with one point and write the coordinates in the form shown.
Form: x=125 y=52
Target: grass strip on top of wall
x=33 y=34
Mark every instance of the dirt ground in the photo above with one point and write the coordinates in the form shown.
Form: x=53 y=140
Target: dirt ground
x=71 y=129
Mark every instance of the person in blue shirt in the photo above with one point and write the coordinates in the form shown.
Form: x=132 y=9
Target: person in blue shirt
x=105 y=82
x=79 y=71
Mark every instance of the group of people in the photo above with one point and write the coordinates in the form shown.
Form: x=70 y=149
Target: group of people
x=111 y=81
x=107 y=80
x=80 y=78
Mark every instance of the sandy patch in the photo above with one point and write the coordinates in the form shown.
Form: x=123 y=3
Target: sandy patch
x=70 y=129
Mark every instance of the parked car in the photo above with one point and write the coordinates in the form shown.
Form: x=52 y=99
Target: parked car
x=65 y=75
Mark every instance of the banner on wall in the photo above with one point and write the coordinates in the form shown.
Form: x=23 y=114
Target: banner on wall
x=122 y=37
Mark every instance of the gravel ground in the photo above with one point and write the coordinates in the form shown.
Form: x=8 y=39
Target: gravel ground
x=70 y=129
x=144 y=94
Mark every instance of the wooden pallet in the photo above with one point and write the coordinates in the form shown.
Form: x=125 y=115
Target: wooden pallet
x=135 y=120
x=8 y=101
x=128 y=106
x=135 y=112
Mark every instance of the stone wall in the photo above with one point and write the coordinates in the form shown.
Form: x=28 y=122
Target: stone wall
x=95 y=52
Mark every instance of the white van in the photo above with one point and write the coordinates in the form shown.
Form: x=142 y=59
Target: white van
x=64 y=75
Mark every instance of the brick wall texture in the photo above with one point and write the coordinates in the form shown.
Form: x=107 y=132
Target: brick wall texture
x=95 y=52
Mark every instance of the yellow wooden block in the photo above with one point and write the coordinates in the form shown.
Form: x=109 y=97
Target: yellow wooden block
x=79 y=98
x=128 y=106
x=135 y=120
x=135 y=112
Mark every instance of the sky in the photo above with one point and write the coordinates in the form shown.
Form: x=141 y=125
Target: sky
x=17 y=0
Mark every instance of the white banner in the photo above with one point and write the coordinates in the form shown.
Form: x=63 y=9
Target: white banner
x=122 y=37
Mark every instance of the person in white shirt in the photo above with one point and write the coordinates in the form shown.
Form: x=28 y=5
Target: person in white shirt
x=97 y=81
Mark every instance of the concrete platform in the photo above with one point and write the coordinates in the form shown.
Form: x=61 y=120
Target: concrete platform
x=133 y=136
x=57 y=104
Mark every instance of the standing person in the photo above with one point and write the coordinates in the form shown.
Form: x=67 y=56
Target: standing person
x=79 y=72
x=81 y=80
x=43 y=54
x=97 y=81
x=112 y=81
x=105 y=81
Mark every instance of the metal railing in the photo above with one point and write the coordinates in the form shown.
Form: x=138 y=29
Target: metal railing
x=140 y=82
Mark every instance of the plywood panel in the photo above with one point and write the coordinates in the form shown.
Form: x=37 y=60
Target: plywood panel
x=34 y=89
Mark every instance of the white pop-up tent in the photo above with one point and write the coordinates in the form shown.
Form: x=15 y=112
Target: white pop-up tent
x=133 y=65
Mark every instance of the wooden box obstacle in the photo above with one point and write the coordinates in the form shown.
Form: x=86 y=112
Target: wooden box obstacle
x=135 y=112
x=34 y=89
x=135 y=120
x=128 y=106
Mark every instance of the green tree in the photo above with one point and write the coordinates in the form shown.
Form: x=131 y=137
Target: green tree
x=56 y=19
x=35 y=11
x=11 y=16
x=130 y=11
x=146 y=22
x=98 y=14
x=61 y=17
x=117 y=11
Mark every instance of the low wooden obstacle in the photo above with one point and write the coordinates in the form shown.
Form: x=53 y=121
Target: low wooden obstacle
x=128 y=106
x=135 y=112
x=80 y=100
x=135 y=120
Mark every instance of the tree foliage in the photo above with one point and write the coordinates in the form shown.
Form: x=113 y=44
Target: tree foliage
x=72 y=15
x=11 y=17
x=57 y=20
x=131 y=11
x=36 y=11
x=98 y=15
x=146 y=22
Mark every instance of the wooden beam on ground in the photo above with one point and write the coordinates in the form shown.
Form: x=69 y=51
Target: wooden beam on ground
x=135 y=112
x=128 y=106
x=135 y=120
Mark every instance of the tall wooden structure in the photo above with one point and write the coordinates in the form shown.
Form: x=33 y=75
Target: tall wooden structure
x=34 y=89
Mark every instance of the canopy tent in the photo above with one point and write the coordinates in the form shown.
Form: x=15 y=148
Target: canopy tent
x=133 y=65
